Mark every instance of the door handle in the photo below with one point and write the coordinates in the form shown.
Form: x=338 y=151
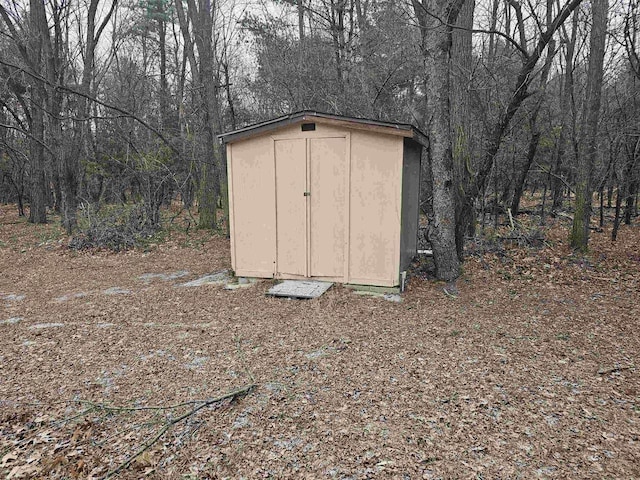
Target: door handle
x=307 y=194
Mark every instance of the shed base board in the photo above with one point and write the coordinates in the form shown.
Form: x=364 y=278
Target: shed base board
x=372 y=288
x=382 y=286
x=253 y=273
x=352 y=281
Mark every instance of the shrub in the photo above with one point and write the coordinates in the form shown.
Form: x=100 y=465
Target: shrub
x=117 y=228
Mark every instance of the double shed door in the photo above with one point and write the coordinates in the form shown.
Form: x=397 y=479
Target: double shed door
x=311 y=206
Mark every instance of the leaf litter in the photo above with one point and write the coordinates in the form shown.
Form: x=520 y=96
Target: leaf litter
x=531 y=371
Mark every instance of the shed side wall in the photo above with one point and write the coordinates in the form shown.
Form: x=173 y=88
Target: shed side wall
x=254 y=219
x=374 y=234
x=410 y=202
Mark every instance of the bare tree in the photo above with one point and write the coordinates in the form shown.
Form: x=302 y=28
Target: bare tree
x=631 y=34
x=579 y=236
x=435 y=18
x=534 y=125
x=461 y=121
x=196 y=24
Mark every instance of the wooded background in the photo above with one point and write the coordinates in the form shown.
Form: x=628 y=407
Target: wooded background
x=118 y=102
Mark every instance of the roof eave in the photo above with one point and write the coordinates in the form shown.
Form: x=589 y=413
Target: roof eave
x=404 y=130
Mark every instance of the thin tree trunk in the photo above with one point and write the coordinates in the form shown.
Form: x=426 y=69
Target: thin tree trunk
x=579 y=237
x=601 y=196
x=628 y=209
x=70 y=165
x=565 y=101
x=616 y=219
x=531 y=154
x=165 y=115
x=300 y=6
x=536 y=133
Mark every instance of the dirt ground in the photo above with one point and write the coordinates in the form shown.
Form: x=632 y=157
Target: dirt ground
x=531 y=372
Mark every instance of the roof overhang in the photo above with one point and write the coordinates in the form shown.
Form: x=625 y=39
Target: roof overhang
x=388 y=128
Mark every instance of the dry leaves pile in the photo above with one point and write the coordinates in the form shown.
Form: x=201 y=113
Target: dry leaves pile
x=531 y=372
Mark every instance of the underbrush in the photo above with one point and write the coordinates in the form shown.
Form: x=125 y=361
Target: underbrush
x=524 y=232
x=114 y=228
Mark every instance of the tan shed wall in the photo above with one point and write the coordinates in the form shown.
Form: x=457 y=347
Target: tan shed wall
x=374 y=241
x=252 y=206
x=360 y=210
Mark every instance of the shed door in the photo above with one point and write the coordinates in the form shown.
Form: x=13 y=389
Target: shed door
x=310 y=206
x=327 y=176
x=291 y=215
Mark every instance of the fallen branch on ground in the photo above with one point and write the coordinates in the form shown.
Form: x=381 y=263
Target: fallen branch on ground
x=607 y=371
x=149 y=443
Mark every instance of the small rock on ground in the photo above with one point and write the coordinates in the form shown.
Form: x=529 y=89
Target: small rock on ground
x=218 y=278
x=451 y=289
x=242 y=282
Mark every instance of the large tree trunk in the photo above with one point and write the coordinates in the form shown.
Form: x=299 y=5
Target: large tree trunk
x=436 y=48
x=37 y=190
x=209 y=190
x=461 y=124
x=579 y=237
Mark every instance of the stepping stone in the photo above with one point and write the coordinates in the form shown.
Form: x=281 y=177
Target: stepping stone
x=197 y=363
x=11 y=297
x=392 y=297
x=389 y=297
x=317 y=354
x=219 y=278
x=70 y=296
x=39 y=326
x=11 y=321
x=299 y=289
x=149 y=277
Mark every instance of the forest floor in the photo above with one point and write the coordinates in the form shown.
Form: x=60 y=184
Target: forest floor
x=531 y=372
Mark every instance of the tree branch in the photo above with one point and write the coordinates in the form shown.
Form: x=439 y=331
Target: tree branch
x=149 y=443
x=28 y=134
x=99 y=102
x=549 y=172
x=104 y=23
x=453 y=26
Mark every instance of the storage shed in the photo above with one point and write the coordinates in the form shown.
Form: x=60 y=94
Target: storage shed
x=334 y=198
